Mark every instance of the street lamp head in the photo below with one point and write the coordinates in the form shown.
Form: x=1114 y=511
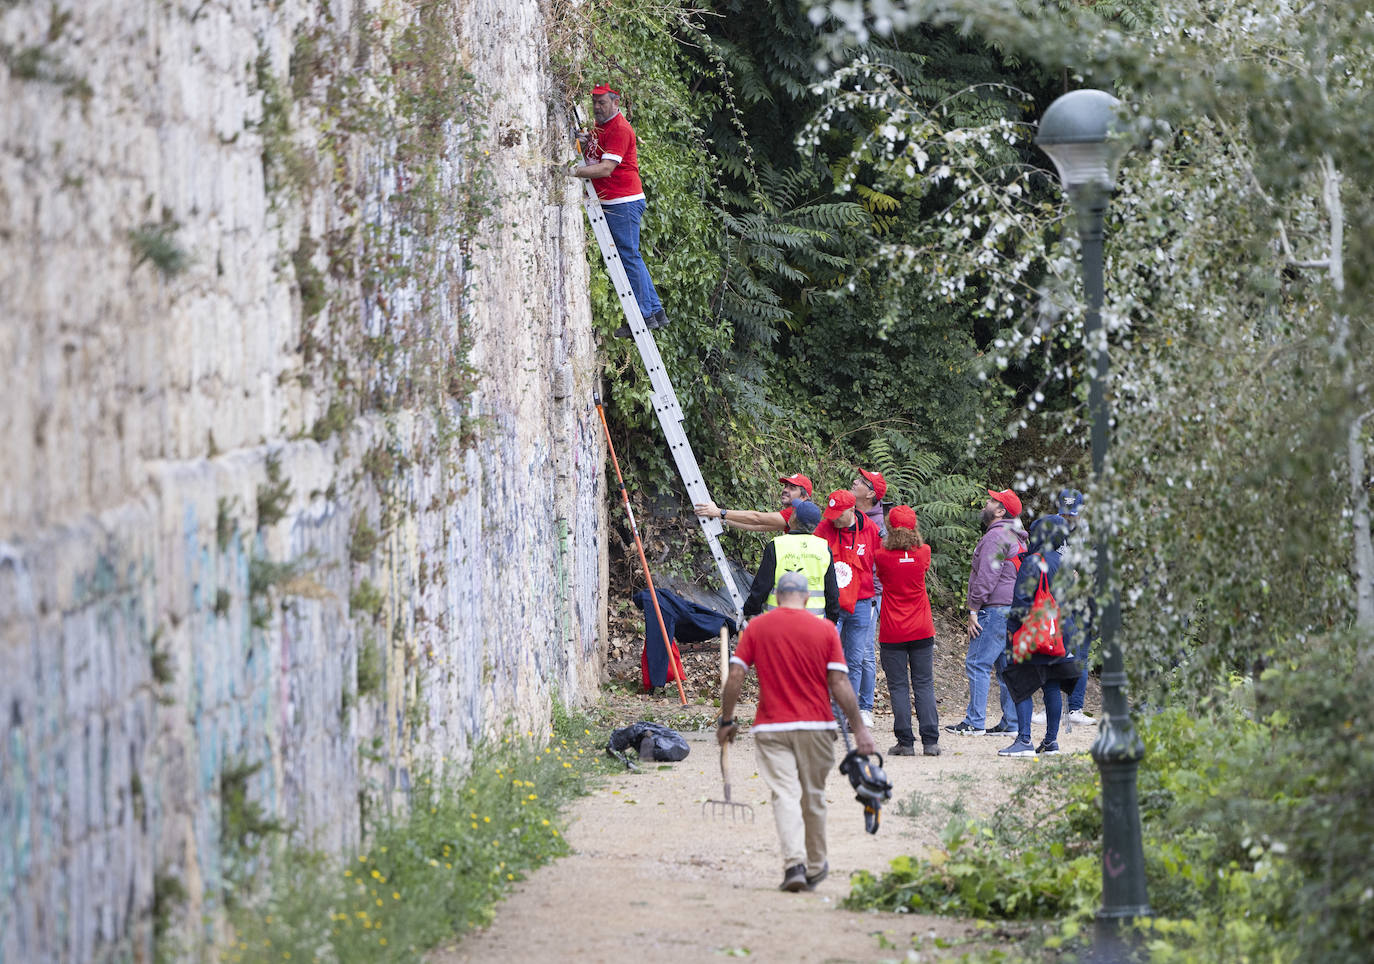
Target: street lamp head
x=1082 y=132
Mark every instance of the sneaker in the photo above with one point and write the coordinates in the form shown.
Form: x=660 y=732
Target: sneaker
x=932 y=750
x=794 y=879
x=1038 y=718
x=813 y=879
x=902 y=749
x=964 y=729
x=867 y=717
x=1004 y=727
x=1047 y=748
x=1081 y=718
x=657 y=321
x=1018 y=748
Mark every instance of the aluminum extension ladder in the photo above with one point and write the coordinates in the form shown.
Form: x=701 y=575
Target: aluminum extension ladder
x=664 y=398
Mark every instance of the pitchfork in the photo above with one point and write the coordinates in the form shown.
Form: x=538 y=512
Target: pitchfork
x=720 y=808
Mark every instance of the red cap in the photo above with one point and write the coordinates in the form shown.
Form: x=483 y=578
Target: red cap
x=797 y=479
x=1009 y=499
x=901 y=517
x=840 y=500
x=876 y=480
x=600 y=89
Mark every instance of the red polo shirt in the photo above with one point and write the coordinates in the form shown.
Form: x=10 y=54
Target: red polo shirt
x=792 y=652
x=616 y=142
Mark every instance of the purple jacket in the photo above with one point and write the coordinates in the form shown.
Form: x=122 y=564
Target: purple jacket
x=992 y=578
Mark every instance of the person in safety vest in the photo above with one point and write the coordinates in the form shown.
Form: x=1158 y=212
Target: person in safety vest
x=798 y=551
x=795 y=486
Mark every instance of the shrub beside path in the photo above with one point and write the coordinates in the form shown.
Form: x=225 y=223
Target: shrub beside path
x=651 y=878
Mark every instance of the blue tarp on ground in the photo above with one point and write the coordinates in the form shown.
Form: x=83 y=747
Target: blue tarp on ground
x=686 y=622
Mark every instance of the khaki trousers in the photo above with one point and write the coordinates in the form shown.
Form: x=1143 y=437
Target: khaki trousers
x=794 y=764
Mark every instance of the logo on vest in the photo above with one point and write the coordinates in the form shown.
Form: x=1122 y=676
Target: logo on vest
x=843 y=574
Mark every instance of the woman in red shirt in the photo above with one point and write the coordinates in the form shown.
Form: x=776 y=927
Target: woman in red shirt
x=906 y=634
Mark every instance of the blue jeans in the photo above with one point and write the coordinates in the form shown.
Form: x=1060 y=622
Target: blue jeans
x=623 y=220
x=856 y=636
x=986 y=655
x=1080 y=653
x=1054 y=708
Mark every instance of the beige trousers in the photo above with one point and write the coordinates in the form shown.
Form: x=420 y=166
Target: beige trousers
x=794 y=764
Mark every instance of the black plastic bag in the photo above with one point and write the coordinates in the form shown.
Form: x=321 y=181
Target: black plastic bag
x=652 y=741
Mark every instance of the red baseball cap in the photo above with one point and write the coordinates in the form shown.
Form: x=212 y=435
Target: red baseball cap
x=840 y=500
x=1009 y=499
x=901 y=517
x=600 y=89
x=876 y=480
x=797 y=479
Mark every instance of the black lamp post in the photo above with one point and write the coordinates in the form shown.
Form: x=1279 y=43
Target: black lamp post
x=1080 y=134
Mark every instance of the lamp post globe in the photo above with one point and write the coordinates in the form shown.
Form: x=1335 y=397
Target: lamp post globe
x=1082 y=132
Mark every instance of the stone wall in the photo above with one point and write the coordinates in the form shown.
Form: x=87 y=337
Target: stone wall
x=301 y=487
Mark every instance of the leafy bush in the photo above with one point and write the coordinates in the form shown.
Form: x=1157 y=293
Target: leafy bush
x=1254 y=826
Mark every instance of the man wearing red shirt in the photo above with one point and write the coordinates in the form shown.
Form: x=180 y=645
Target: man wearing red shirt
x=613 y=167
x=796 y=486
x=801 y=668
x=853 y=541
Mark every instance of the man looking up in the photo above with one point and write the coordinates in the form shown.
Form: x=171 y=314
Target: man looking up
x=613 y=168
x=798 y=551
x=990 y=583
x=854 y=541
x=794 y=487
x=800 y=668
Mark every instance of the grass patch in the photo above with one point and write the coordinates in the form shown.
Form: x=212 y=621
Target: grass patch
x=430 y=874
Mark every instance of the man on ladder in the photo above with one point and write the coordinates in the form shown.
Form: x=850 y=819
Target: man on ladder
x=613 y=168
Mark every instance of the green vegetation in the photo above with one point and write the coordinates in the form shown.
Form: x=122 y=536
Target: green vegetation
x=274 y=495
x=157 y=243
x=366 y=598
x=362 y=543
x=244 y=823
x=1223 y=856
x=368 y=666
x=429 y=873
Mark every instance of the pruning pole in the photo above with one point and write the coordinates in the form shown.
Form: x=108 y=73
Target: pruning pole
x=639 y=545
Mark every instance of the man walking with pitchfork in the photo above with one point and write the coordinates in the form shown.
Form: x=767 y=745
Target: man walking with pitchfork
x=801 y=667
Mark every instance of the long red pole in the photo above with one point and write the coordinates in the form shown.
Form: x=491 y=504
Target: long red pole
x=653 y=593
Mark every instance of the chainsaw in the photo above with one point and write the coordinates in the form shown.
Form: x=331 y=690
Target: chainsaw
x=869 y=780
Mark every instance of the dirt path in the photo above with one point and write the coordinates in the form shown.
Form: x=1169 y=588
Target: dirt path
x=651 y=878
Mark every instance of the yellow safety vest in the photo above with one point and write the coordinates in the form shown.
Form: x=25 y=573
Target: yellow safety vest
x=802 y=552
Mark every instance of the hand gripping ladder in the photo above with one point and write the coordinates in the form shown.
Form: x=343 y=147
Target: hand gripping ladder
x=663 y=397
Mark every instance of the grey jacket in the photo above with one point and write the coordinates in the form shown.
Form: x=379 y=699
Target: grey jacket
x=992 y=576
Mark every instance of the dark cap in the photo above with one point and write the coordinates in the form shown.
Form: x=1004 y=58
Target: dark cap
x=806 y=512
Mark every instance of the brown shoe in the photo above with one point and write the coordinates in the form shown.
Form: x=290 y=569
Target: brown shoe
x=794 y=879
x=932 y=750
x=902 y=749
